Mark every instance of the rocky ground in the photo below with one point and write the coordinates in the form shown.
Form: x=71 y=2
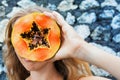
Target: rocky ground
x=97 y=21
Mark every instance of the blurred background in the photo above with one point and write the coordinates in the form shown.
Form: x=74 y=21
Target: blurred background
x=97 y=21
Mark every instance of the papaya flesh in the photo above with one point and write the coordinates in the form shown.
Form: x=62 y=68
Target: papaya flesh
x=36 y=37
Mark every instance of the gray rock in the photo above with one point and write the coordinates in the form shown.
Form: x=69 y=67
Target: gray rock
x=100 y=33
x=118 y=54
x=116 y=22
x=98 y=72
x=82 y=30
x=87 y=4
x=70 y=18
x=116 y=38
x=109 y=3
x=51 y=7
x=87 y=18
x=66 y=5
x=107 y=14
x=2 y=11
x=4 y=2
x=26 y=3
x=3 y=25
x=13 y=12
x=118 y=7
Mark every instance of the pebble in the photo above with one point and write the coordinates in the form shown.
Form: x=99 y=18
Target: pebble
x=4 y=2
x=116 y=38
x=70 y=18
x=51 y=7
x=82 y=30
x=107 y=14
x=100 y=33
x=109 y=3
x=98 y=72
x=118 y=54
x=26 y=3
x=3 y=25
x=13 y=12
x=118 y=7
x=87 y=4
x=116 y=22
x=2 y=11
x=87 y=18
x=66 y=5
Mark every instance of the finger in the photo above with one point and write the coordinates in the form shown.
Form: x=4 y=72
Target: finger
x=49 y=14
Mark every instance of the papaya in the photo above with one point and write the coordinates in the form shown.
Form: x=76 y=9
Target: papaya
x=36 y=37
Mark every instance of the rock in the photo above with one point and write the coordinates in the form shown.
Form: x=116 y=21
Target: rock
x=116 y=38
x=26 y=3
x=116 y=22
x=13 y=12
x=107 y=14
x=98 y=72
x=70 y=18
x=87 y=4
x=118 y=54
x=4 y=2
x=82 y=30
x=2 y=11
x=87 y=18
x=66 y=5
x=109 y=3
x=51 y=7
x=100 y=33
x=118 y=7
x=3 y=25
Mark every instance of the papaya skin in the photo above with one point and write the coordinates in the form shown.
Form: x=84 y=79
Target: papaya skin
x=36 y=37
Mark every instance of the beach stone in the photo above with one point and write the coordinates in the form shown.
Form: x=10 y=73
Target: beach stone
x=116 y=38
x=4 y=2
x=107 y=13
x=70 y=18
x=66 y=5
x=82 y=30
x=98 y=72
x=118 y=7
x=116 y=22
x=26 y=3
x=3 y=25
x=51 y=7
x=101 y=33
x=2 y=11
x=87 y=4
x=13 y=12
x=87 y=18
x=118 y=54
x=109 y=3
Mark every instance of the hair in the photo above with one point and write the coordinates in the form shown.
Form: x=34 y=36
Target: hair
x=70 y=69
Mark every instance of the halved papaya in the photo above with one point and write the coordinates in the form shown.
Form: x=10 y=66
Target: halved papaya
x=36 y=37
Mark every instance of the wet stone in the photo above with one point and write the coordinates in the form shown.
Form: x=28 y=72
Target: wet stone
x=82 y=30
x=116 y=22
x=116 y=38
x=87 y=4
x=87 y=18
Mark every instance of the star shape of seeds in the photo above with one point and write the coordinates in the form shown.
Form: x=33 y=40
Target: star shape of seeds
x=36 y=37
